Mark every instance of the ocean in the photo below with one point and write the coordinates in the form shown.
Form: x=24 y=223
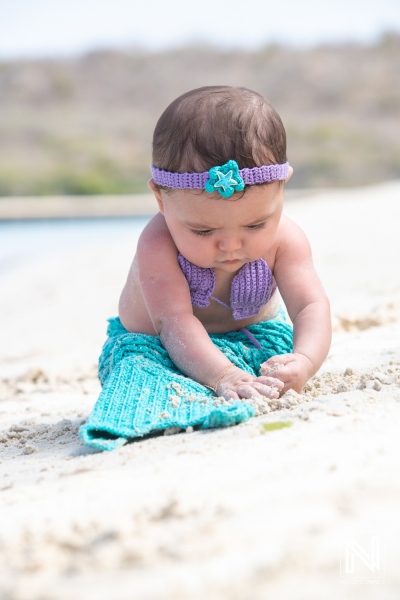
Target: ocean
x=22 y=241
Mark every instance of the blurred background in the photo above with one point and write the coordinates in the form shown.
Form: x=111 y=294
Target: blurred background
x=82 y=83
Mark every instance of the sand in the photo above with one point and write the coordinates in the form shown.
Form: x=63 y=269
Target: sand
x=261 y=510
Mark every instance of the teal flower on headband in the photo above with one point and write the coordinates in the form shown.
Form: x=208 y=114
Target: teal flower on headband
x=225 y=180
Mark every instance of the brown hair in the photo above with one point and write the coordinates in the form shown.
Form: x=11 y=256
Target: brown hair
x=208 y=126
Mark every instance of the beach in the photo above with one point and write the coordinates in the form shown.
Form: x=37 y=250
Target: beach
x=251 y=511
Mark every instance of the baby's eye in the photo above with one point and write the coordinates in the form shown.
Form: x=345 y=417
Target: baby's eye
x=201 y=231
x=257 y=226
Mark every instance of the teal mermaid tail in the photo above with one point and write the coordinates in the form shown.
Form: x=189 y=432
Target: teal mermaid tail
x=143 y=391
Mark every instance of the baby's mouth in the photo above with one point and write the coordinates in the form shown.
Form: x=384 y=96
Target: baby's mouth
x=231 y=262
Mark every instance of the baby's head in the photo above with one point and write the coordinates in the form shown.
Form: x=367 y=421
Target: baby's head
x=212 y=125
x=210 y=143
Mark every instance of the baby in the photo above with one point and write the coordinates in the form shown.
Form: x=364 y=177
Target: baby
x=219 y=168
x=202 y=325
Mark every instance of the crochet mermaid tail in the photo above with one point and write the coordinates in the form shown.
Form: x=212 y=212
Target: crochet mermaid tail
x=143 y=391
x=140 y=396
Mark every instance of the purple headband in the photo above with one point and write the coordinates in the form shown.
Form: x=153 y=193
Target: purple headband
x=226 y=179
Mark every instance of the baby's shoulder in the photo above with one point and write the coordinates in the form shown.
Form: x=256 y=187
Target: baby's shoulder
x=156 y=224
x=290 y=233
x=155 y=235
x=291 y=239
x=156 y=252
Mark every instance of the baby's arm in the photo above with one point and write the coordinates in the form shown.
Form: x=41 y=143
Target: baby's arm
x=167 y=297
x=308 y=308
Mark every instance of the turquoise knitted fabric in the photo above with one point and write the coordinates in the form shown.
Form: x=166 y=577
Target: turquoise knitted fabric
x=143 y=390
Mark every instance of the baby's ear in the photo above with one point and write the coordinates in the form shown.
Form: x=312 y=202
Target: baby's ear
x=290 y=173
x=157 y=193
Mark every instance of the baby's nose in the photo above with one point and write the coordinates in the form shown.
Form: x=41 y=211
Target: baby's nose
x=230 y=243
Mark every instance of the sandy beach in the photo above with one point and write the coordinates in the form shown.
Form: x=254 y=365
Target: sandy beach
x=243 y=513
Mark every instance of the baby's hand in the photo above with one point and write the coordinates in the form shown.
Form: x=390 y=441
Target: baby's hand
x=237 y=384
x=294 y=370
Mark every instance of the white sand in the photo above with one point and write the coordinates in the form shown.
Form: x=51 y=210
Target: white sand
x=238 y=513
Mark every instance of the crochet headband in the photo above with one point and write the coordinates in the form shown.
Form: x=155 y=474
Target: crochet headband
x=226 y=179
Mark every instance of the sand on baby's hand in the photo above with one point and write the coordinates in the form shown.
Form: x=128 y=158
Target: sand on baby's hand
x=271 y=368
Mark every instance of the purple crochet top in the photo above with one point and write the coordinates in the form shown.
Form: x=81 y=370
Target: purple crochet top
x=252 y=287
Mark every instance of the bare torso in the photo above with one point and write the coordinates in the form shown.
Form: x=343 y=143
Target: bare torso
x=215 y=318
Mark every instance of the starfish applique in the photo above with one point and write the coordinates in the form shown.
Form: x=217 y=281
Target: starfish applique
x=225 y=180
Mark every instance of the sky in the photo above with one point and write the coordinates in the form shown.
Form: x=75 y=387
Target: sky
x=38 y=28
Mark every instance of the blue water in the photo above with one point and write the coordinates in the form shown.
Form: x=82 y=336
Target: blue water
x=23 y=241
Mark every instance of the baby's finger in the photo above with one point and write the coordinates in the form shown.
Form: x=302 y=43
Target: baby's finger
x=273 y=364
x=284 y=373
x=230 y=395
x=268 y=391
x=247 y=391
x=273 y=381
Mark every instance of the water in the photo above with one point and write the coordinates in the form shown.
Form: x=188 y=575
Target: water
x=23 y=241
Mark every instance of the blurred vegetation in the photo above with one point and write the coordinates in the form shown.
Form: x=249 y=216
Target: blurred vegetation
x=84 y=125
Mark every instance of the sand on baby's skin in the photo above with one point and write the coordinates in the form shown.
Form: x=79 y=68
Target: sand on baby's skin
x=244 y=512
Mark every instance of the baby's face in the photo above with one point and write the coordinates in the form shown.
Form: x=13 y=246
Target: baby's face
x=214 y=232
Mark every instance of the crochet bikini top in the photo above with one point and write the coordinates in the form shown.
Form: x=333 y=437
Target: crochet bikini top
x=252 y=287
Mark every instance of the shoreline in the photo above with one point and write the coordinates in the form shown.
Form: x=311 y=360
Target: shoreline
x=76 y=207
x=123 y=205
